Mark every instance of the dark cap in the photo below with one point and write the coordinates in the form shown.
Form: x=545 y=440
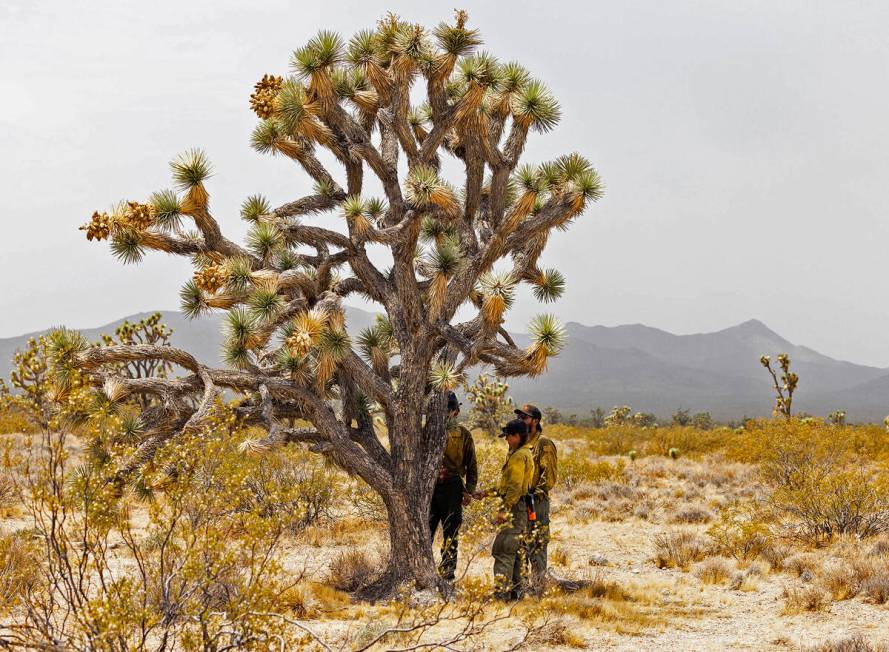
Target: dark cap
x=529 y=410
x=453 y=403
x=514 y=427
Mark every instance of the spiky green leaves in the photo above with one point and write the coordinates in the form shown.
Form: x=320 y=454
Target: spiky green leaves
x=444 y=376
x=481 y=69
x=456 y=40
x=190 y=169
x=254 y=207
x=126 y=245
x=364 y=49
x=238 y=274
x=168 y=212
x=265 y=303
x=191 y=300
x=535 y=107
x=377 y=344
x=264 y=240
x=549 y=286
x=497 y=293
x=64 y=345
x=433 y=230
x=548 y=338
x=324 y=50
x=513 y=77
x=445 y=260
x=241 y=329
x=296 y=111
x=295 y=365
x=266 y=136
x=424 y=187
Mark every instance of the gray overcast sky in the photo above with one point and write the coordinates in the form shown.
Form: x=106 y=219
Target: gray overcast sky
x=745 y=148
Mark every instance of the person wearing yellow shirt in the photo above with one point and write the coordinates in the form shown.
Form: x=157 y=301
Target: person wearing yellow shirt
x=512 y=517
x=545 y=474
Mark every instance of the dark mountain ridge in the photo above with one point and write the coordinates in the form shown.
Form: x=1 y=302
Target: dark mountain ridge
x=647 y=368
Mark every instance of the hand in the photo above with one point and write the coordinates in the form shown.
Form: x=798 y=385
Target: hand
x=478 y=495
x=501 y=518
x=467 y=498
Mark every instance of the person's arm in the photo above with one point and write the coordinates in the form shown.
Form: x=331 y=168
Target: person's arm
x=470 y=462
x=515 y=473
x=549 y=467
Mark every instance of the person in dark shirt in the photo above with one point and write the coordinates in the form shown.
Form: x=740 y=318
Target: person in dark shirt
x=457 y=479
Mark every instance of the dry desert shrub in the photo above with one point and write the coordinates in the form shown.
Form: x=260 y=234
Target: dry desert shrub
x=678 y=549
x=805 y=598
x=856 y=643
x=352 y=570
x=740 y=531
x=715 y=570
x=580 y=466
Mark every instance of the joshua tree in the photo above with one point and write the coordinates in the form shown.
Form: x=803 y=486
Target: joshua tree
x=681 y=417
x=287 y=343
x=597 y=418
x=786 y=387
x=618 y=416
x=490 y=404
x=146 y=331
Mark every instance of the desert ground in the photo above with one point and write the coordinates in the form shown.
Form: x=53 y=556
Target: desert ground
x=685 y=541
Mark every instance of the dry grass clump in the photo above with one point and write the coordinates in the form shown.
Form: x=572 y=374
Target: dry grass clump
x=605 y=603
x=558 y=633
x=693 y=514
x=558 y=556
x=800 y=564
x=715 y=570
x=840 y=580
x=775 y=555
x=880 y=548
x=805 y=598
x=678 y=549
x=351 y=570
x=18 y=569
x=876 y=588
x=7 y=489
x=856 y=643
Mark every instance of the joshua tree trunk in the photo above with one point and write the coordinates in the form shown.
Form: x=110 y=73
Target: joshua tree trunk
x=287 y=344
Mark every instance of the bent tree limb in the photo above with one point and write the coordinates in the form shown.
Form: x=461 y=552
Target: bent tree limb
x=288 y=347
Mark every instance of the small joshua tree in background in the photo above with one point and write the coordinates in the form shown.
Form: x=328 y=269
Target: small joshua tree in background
x=681 y=417
x=490 y=404
x=784 y=388
x=837 y=418
x=645 y=419
x=702 y=421
x=31 y=376
x=597 y=418
x=618 y=416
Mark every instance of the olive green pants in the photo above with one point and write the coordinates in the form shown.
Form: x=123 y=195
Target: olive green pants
x=538 y=539
x=508 y=551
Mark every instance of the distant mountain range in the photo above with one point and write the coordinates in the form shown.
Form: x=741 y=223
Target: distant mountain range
x=649 y=369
